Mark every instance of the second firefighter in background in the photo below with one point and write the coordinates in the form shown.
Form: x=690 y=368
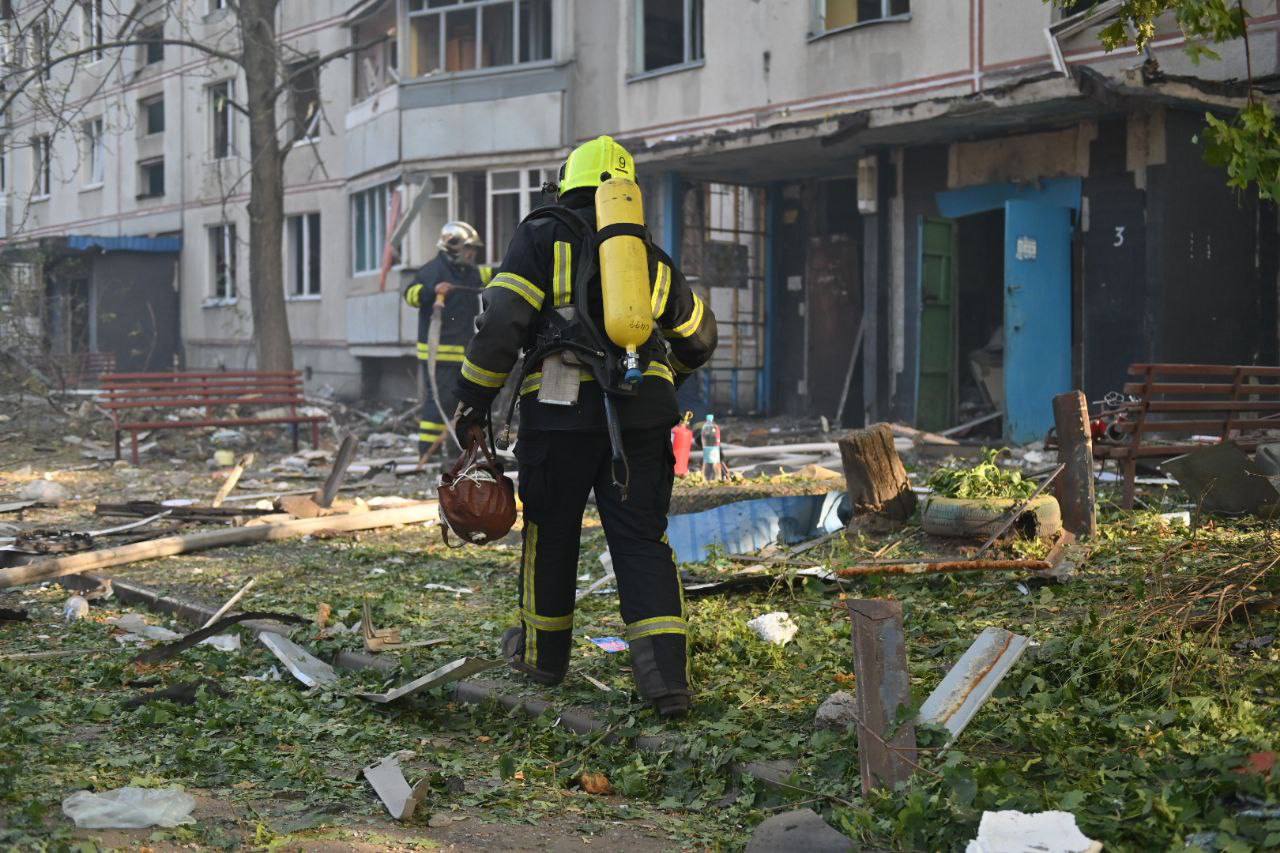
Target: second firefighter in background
x=454 y=273
x=563 y=450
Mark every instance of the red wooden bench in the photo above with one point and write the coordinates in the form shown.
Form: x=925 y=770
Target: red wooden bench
x=1172 y=402
x=124 y=394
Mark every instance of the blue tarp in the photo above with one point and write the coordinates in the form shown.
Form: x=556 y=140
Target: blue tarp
x=745 y=526
x=82 y=242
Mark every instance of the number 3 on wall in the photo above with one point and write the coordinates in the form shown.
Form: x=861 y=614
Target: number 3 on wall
x=1119 y=236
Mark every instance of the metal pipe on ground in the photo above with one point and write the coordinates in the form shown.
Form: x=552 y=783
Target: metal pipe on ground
x=945 y=567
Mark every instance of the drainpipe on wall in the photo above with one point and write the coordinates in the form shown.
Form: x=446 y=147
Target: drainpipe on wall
x=181 y=354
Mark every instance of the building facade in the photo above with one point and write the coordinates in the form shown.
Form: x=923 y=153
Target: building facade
x=898 y=210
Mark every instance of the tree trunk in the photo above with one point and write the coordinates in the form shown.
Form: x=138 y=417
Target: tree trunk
x=266 y=189
x=877 y=481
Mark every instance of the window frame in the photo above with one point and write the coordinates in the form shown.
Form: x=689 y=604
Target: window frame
x=230 y=129
x=226 y=237
x=421 y=14
x=379 y=226
x=144 y=114
x=42 y=166
x=5 y=172
x=152 y=36
x=311 y=133
x=93 y=153
x=143 y=166
x=694 y=51
x=93 y=29
x=523 y=190
x=819 y=14
x=303 y=275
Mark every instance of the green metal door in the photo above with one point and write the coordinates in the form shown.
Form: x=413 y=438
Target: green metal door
x=935 y=405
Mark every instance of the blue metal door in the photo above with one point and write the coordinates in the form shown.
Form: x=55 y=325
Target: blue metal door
x=1037 y=315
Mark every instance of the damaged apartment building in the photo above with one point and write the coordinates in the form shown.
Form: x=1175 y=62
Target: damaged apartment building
x=898 y=209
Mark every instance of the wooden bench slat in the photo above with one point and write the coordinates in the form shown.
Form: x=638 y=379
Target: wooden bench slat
x=1203 y=370
x=199 y=403
x=243 y=374
x=179 y=390
x=1213 y=406
x=1198 y=388
x=135 y=426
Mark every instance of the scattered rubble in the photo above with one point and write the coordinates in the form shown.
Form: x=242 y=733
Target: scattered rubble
x=838 y=712
x=776 y=628
x=45 y=492
x=800 y=830
x=388 y=781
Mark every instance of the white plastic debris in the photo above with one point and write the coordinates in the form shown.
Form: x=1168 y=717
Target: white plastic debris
x=129 y=808
x=272 y=674
x=1039 y=832
x=222 y=642
x=777 y=628
x=457 y=590
x=1173 y=519
x=77 y=607
x=138 y=631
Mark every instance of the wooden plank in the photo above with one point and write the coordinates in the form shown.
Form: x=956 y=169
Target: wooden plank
x=195 y=374
x=172 y=388
x=300 y=419
x=197 y=403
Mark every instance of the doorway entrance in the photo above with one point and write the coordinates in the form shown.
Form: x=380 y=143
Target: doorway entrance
x=995 y=296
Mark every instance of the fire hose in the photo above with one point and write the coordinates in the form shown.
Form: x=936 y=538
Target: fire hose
x=442 y=291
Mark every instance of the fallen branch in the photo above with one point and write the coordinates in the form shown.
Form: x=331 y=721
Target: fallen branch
x=40 y=570
x=944 y=567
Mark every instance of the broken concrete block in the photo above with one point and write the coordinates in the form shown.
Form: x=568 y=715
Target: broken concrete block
x=838 y=712
x=801 y=829
x=44 y=491
x=777 y=628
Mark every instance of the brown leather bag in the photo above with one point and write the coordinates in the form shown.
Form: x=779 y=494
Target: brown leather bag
x=477 y=502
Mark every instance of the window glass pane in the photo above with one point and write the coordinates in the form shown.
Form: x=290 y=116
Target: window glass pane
x=505 y=180
x=439 y=186
x=296 y=256
x=313 y=252
x=361 y=226
x=899 y=7
x=870 y=10
x=506 y=216
x=535 y=30
x=842 y=13
x=460 y=40
x=499 y=35
x=426 y=33
x=154 y=115
x=663 y=33
x=695 y=23
x=471 y=203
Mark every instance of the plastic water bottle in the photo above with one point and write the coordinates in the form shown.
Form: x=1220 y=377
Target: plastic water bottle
x=710 y=449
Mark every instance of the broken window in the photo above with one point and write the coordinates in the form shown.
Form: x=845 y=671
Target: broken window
x=376 y=62
x=93 y=153
x=837 y=14
x=452 y=36
x=304 y=254
x=152 y=49
x=151 y=178
x=222 y=262
x=669 y=33
x=304 y=100
x=151 y=113
x=222 y=126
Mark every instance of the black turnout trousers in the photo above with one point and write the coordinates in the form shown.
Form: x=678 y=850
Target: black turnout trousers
x=558 y=470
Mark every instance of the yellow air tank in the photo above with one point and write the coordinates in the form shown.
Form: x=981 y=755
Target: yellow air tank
x=624 y=272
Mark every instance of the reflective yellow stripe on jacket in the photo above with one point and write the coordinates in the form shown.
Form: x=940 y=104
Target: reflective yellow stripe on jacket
x=562 y=274
x=520 y=285
x=444 y=352
x=473 y=372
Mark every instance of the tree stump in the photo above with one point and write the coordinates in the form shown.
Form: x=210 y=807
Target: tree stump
x=1074 y=486
x=877 y=481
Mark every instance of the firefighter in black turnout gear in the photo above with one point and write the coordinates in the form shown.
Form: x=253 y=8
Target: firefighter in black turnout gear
x=536 y=304
x=453 y=274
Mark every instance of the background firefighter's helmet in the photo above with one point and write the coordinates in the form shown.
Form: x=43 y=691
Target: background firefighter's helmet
x=456 y=236
x=592 y=163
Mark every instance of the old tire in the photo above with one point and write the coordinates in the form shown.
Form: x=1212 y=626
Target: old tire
x=980 y=518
